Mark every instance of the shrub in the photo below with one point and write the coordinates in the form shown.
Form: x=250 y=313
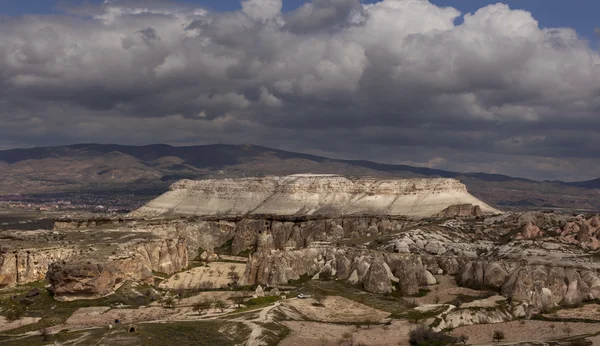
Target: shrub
x=202 y=305
x=319 y=298
x=425 y=336
x=498 y=336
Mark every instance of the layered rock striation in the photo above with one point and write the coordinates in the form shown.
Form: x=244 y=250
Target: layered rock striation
x=311 y=195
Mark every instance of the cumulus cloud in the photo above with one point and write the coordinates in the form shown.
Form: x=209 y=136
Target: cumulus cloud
x=331 y=77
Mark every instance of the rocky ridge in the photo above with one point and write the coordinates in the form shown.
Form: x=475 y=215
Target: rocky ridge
x=308 y=194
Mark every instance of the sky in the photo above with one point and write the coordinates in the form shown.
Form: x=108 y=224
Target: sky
x=464 y=85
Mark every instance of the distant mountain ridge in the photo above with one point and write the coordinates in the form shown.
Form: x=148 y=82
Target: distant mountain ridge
x=89 y=167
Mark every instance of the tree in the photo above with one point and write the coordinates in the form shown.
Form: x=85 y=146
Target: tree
x=234 y=277
x=498 y=336
x=423 y=335
x=463 y=338
x=347 y=339
x=14 y=312
x=238 y=300
x=201 y=306
x=221 y=305
x=168 y=302
x=45 y=333
x=319 y=298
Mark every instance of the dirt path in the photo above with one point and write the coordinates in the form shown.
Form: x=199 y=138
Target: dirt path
x=263 y=317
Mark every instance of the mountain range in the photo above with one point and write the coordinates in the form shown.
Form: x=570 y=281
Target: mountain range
x=95 y=168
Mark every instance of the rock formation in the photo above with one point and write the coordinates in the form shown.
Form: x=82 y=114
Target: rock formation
x=461 y=210
x=307 y=194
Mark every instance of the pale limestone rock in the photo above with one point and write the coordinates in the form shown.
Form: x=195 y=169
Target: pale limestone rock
x=435 y=248
x=495 y=275
x=429 y=278
x=310 y=195
x=377 y=280
x=353 y=278
x=259 y=292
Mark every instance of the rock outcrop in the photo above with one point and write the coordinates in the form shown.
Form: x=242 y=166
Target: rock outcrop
x=308 y=194
x=29 y=265
x=461 y=210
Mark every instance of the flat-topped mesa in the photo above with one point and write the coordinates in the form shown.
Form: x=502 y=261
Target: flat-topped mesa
x=308 y=194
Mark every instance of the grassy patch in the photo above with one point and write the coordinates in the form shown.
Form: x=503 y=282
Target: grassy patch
x=192 y=333
x=262 y=300
x=417 y=316
x=391 y=304
x=54 y=312
x=274 y=333
x=154 y=334
x=302 y=280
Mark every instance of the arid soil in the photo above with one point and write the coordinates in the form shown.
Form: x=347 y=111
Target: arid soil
x=8 y=325
x=446 y=290
x=215 y=274
x=521 y=331
x=319 y=334
x=588 y=312
x=336 y=309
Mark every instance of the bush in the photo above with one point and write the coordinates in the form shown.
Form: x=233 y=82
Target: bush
x=262 y=300
x=498 y=336
x=14 y=312
x=425 y=336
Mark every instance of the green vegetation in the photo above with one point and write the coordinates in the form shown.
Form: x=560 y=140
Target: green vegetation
x=391 y=304
x=54 y=312
x=417 y=316
x=273 y=333
x=153 y=334
x=425 y=336
x=302 y=280
x=260 y=301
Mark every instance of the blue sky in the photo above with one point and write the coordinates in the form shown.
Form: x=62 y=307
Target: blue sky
x=579 y=14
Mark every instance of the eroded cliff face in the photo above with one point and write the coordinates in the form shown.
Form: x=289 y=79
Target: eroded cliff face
x=29 y=265
x=377 y=272
x=92 y=278
x=310 y=195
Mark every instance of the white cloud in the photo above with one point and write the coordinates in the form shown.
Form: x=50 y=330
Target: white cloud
x=262 y=9
x=339 y=66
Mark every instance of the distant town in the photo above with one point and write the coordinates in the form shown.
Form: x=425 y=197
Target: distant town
x=111 y=204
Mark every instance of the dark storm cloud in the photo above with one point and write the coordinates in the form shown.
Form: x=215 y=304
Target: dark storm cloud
x=395 y=81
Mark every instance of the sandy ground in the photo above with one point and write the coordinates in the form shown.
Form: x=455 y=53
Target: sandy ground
x=324 y=334
x=336 y=309
x=6 y=325
x=211 y=296
x=445 y=291
x=588 y=312
x=104 y=316
x=490 y=302
x=233 y=258
x=595 y=340
x=216 y=272
x=514 y=331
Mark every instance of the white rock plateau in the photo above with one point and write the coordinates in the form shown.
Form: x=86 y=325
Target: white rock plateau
x=308 y=194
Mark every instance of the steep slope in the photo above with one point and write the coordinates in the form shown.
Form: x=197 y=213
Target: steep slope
x=307 y=194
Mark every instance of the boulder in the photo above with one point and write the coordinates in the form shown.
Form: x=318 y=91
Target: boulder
x=494 y=275
x=353 y=278
x=429 y=278
x=259 y=292
x=435 y=248
x=377 y=279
